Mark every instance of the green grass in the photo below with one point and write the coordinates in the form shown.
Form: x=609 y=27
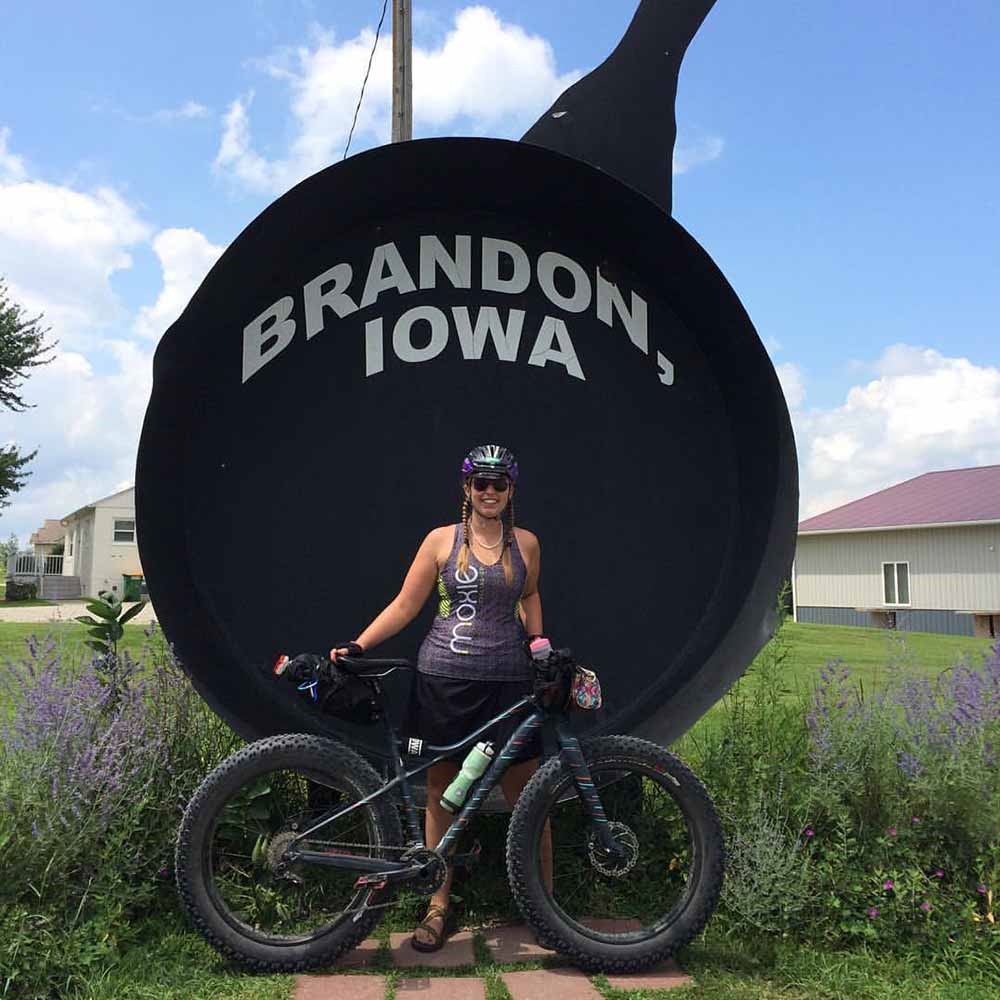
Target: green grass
x=868 y=651
x=69 y=637
x=36 y=603
x=173 y=963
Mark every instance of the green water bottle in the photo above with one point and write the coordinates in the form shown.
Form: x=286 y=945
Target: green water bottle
x=472 y=768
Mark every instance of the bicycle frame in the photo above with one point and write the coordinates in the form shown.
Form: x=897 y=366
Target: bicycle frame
x=382 y=870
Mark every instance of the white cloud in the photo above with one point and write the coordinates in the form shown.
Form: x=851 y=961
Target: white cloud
x=11 y=167
x=185 y=258
x=923 y=411
x=690 y=153
x=187 y=111
x=485 y=72
x=792 y=384
x=85 y=425
x=59 y=248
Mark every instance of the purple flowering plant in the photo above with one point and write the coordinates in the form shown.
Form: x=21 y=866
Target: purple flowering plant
x=98 y=758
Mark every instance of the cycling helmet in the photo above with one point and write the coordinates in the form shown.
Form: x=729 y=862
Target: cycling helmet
x=491 y=461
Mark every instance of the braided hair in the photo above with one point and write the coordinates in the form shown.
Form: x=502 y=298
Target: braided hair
x=507 y=526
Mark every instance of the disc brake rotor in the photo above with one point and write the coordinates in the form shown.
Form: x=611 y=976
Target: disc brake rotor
x=605 y=863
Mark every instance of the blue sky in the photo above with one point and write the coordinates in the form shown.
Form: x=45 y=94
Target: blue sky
x=838 y=159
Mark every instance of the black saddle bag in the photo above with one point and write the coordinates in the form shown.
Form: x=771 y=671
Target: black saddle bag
x=335 y=691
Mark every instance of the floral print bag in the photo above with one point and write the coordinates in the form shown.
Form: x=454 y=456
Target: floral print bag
x=585 y=690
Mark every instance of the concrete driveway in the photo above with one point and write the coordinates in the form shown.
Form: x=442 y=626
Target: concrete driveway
x=63 y=611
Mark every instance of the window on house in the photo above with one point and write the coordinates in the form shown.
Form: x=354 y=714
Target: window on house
x=124 y=531
x=896 y=583
x=72 y=535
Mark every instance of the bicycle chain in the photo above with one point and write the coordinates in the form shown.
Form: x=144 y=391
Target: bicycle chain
x=367 y=847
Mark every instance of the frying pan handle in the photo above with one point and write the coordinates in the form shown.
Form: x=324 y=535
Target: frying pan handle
x=620 y=117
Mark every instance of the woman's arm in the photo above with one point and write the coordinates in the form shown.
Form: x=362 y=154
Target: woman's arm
x=531 y=601
x=417 y=585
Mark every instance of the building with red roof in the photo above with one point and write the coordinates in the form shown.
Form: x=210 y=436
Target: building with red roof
x=923 y=555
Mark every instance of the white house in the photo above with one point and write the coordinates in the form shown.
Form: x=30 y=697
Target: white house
x=100 y=547
x=923 y=555
x=99 y=552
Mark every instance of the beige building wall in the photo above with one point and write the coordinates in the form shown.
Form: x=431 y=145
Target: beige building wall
x=111 y=559
x=98 y=560
x=951 y=568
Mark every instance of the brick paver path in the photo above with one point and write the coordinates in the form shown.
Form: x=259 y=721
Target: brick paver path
x=457 y=951
x=550 y=984
x=507 y=945
x=441 y=988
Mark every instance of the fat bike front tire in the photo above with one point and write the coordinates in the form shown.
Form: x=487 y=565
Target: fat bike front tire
x=621 y=914
x=232 y=876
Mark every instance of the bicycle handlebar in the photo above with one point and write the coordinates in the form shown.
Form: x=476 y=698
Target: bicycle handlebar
x=363 y=665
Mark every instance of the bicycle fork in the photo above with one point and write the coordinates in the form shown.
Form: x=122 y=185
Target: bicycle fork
x=572 y=753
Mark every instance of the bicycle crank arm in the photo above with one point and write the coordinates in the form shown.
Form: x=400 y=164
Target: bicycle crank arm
x=469 y=859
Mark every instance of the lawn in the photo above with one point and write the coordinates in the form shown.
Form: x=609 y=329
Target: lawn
x=175 y=964
x=68 y=636
x=866 y=651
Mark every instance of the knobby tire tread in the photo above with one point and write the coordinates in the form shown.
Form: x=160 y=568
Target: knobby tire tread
x=315 y=753
x=529 y=892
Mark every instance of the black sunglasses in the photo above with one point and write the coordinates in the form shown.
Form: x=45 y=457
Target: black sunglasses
x=479 y=484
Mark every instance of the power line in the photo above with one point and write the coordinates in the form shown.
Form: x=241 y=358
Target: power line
x=364 y=83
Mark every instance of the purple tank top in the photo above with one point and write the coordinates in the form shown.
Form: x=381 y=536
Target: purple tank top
x=477 y=633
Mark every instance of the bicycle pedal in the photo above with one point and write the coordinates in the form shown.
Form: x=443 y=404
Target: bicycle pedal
x=373 y=882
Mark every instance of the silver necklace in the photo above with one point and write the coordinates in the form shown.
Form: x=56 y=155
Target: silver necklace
x=476 y=538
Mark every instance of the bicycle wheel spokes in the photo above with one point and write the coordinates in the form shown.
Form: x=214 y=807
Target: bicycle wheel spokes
x=638 y=895
x=255 y=888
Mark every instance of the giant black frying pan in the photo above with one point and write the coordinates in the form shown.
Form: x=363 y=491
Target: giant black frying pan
x=311 y=406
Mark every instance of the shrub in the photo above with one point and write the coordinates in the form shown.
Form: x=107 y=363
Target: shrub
x=16 y=590
x=97 y=761
x=855 y=817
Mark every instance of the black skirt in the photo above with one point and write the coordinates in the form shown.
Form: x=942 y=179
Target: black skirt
x=442 y=710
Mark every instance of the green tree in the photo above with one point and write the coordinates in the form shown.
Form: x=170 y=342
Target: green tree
x=22 y=347
x=7 y=549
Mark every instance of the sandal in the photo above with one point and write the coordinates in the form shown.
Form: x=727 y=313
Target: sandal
x=434 y=911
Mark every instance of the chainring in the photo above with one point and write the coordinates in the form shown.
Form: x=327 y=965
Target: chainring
x=435 y=870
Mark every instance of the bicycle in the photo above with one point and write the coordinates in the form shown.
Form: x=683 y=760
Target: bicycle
x=291 y=849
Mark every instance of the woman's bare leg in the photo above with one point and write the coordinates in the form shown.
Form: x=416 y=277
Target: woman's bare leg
x=437 y=822
x=513 y=781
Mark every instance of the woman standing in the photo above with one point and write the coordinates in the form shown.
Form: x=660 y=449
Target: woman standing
x=473 y=663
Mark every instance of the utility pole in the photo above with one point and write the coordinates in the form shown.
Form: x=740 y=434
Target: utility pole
x=402 y=71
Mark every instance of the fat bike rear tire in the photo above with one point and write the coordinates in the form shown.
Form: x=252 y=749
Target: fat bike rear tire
x=626 y=914
x=228 y=857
